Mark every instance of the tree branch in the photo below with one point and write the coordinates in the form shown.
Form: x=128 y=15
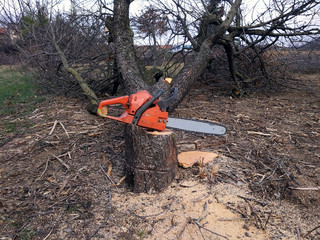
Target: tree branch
x=84 y=86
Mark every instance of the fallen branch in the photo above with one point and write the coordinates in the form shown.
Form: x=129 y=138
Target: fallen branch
x=107 y=175
x=61 y=161
x=64 y=129
x=309 y=232
x=196 y=221
x=117 y=184
x=263 y=204
x=305 y=189
x=45 y=169
x=107 y=213
x=152 y=215
x=259 y=133
x=53 y=127
x=298 y=233
x=99 y=227
x=48 y=234
x=255 y=215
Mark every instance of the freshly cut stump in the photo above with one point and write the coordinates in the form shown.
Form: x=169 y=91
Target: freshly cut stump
x=151 y=159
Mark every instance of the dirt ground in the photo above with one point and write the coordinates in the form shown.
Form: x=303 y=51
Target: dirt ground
x=54 y=185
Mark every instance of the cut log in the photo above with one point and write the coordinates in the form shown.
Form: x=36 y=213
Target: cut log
x=188 y=159
x=151 y=159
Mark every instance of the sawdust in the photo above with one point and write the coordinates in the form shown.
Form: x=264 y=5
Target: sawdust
x=179 y=211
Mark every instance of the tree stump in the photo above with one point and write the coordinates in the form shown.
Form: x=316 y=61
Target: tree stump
x=151 y=159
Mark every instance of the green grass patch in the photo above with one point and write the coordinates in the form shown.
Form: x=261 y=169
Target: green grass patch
x=9 y=126
x=18 y=97
x=18 y=93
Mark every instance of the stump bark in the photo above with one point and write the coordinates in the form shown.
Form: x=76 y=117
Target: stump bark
x=151 y=159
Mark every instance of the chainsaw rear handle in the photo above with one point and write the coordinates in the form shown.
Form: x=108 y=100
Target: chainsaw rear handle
x=145 y=106
x=117 y=100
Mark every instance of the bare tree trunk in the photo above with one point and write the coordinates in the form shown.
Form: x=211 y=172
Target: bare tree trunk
x=193 y=70
x=127 y=60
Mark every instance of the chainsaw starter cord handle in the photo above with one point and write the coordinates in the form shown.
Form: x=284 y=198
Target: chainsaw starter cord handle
x=145 y=106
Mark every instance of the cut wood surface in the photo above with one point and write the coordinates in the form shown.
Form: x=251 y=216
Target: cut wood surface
x=168 y=80
x=104 y=111
x=151 y=159
x=165 y=132
x=190 y=158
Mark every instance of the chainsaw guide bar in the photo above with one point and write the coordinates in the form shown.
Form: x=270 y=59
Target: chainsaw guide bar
x=196 y=126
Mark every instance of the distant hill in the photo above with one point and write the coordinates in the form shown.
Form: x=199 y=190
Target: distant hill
x=313 y=45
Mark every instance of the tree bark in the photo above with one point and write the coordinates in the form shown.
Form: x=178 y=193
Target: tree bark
x=151 y=159
x=127 y=61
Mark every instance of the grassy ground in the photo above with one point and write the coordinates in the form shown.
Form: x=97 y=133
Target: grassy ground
x=18 y=97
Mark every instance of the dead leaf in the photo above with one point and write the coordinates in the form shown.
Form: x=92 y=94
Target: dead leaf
x=104 y=160
x=109 y=169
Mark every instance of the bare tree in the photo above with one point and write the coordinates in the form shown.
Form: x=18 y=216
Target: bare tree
x=66 y=49
x=207 y=24
x=152 y=24
x=75 y=40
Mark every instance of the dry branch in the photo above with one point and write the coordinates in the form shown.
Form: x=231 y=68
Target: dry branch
x=65 y=130
x=53 y=127
x=305 y=189
x=259 y=133
x=83 y=84
x=61 y=161
x=312 y=230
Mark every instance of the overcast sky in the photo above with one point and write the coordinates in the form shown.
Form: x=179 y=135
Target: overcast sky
x=251 y=9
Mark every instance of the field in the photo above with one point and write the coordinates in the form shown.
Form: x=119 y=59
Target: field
x=53 y=182
x=18 y=96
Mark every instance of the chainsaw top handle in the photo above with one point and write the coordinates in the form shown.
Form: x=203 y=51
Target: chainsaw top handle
x=165 y=104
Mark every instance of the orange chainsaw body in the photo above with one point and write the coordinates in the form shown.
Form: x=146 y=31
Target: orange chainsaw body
x=152 y=118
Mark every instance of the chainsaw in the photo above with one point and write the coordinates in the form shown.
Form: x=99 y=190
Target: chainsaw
x=147 y=111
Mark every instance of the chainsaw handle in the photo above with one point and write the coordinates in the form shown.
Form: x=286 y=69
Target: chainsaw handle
x=103 y=111
x=112 y=101
x=145 y=106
